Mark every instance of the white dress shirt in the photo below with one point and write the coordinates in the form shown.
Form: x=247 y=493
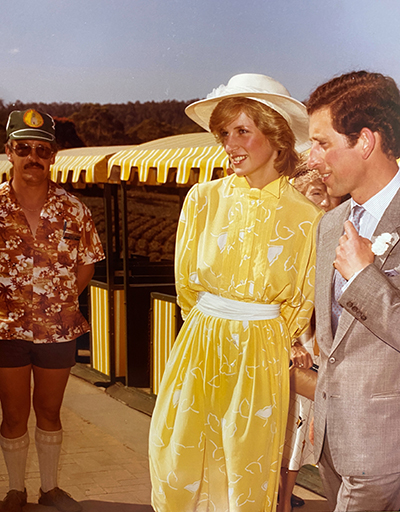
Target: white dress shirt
x=375 y=207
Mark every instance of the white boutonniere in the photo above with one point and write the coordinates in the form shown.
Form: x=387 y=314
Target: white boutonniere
x=381 y=244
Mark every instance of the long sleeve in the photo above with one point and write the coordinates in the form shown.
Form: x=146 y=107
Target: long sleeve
x=185 y=256
x=372 y=291
x=298 y=310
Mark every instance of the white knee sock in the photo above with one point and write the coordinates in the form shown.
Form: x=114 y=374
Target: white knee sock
x=48 y=446
x=15 y=452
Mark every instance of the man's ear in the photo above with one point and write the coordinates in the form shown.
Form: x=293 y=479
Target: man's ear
x=9 y=153
x=366 y=142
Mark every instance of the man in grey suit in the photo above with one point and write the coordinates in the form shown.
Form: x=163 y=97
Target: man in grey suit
x=355 y=134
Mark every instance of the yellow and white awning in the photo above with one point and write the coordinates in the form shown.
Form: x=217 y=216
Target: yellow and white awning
x=5 y=168
x=85 y=165
x=170 y=159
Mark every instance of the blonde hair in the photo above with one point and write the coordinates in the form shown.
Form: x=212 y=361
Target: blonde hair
x=267 y=120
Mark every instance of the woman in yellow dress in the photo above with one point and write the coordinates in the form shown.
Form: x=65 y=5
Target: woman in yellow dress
x=244 y=271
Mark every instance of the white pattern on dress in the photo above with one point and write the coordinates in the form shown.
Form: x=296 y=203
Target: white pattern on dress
x=185 y=408
x=247 y=500
x=264 y=413
x=193 y=487
x=274 y=252
x=175 y=399
x=289 y=233
x=301 y=227
x=213 y=419
x=175 y=447
x=171 y=475
x=222 y=238
x=250 y=374
x=257 y=464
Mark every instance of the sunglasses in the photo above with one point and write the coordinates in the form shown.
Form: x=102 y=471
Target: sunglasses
x=23 y=149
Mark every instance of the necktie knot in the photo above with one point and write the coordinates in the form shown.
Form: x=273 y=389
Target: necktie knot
x=356 y=214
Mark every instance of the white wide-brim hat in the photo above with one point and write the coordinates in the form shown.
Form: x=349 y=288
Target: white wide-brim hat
x=260 y=88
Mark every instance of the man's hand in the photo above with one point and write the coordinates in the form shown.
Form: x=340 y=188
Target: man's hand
x=353 y=252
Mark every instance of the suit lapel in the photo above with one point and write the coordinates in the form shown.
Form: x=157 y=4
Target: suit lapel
x=389 y=223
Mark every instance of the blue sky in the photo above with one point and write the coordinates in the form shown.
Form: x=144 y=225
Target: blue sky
x=114 y=51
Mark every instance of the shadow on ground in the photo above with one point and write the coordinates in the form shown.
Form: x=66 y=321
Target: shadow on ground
x=95 y=506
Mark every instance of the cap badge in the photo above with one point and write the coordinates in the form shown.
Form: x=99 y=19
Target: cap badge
x=33 y=119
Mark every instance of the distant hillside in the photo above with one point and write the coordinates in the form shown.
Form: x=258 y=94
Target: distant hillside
x=92 y=124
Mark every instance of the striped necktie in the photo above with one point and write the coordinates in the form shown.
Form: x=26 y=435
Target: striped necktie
x=338 y=280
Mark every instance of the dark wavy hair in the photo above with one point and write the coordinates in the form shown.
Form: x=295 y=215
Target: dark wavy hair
x=358 y=100
x=267 y=120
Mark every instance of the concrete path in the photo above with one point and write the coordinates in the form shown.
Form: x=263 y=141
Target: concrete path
x=104 y=461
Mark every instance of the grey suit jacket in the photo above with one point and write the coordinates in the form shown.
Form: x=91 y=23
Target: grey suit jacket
x=357 y=398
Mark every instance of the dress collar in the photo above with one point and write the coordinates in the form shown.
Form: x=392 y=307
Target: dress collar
x=274 y=188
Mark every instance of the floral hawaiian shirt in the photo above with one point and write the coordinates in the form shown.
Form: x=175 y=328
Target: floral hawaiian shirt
x=38 y=274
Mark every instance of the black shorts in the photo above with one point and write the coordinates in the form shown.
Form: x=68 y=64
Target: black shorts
x=17 y=353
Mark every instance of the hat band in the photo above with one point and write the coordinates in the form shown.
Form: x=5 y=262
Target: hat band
x=32 y=133
x=221 y=92
x=225 y=90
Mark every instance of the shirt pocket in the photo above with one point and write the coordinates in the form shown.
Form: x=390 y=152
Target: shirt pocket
x=67 y=248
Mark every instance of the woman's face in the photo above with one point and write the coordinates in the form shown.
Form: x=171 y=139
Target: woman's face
x=318 y=194
x=250 y=152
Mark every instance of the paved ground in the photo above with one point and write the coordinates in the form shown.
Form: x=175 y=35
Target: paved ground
x=104 y=456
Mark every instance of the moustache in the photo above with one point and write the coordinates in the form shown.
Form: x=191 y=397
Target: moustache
x=34 y=164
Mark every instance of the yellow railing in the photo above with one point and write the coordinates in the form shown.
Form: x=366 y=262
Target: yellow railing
x=165 y=323
x=100 y=330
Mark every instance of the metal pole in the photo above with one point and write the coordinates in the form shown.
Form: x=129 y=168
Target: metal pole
x=125 y=257
x=110 y=268
x=116 y=222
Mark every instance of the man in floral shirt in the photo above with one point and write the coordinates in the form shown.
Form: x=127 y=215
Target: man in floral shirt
x=48 y=247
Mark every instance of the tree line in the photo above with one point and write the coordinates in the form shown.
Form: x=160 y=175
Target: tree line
x=94 y=124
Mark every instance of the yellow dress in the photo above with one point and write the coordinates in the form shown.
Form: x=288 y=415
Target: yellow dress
x=218 y=428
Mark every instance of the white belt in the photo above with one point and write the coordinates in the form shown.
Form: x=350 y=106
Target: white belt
x=214 y=305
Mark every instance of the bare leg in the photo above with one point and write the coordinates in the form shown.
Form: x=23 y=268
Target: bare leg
x=15 y=400
x=286 y=486
x=15 y=397
x=48 y=395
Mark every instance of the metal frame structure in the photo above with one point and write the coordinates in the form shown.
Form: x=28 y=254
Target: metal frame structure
x=178 y=161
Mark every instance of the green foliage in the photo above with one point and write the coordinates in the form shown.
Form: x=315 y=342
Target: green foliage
x=110 y=124
x=98 y=127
